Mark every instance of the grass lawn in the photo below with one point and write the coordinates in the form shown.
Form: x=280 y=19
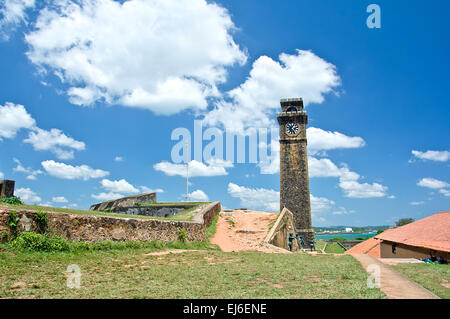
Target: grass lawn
x=133 y=273
x=319 y=245
x=435 y=278
x=334 y=248
x=182 y=216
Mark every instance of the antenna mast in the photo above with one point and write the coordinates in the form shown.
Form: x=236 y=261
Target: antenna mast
x=187 y=172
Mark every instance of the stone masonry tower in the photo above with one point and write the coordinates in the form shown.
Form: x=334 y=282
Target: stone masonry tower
x=294 y=179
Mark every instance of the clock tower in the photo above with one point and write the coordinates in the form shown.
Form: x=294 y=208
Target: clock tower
x=294 y=179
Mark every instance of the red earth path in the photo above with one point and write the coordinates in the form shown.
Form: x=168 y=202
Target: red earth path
x=244 y=230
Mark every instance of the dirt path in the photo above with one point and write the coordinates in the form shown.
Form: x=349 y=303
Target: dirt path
x=392 y=283
x=241 y=230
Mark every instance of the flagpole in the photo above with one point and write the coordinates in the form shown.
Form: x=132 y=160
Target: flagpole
x=187 y=172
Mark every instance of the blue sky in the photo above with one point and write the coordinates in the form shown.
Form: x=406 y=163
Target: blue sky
x=92 y=90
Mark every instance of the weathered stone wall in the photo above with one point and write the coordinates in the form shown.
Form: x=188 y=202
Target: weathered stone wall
x=113 y=205
x=97 y=228
x=207 y=214
x=6 y=188
x=157 y=210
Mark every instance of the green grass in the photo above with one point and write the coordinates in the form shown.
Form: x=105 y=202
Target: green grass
x=182 y=216
x=433 y=277
x=132 y=273
x=31 y=241
x=320 y=244
x=14 y=200
x=211 y=229
x=334 y=248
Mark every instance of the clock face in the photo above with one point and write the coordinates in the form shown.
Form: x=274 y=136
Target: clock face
x=292 y=128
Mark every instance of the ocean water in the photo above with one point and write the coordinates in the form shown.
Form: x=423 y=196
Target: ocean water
x=348 y=236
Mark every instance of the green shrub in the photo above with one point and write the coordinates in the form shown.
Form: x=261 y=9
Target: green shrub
x=41 y=221
x=48 y=243
x=13 y=223
x=40 y=242
x=14 y=200
x=182 y=236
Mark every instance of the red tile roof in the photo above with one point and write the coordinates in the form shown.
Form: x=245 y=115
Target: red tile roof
x=432 y=232
x=370 y=246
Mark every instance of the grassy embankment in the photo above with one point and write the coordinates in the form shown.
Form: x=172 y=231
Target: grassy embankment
x=130 y=270
x=334 y=248
x=200 y=273
x=434 y=277
x=182 y=216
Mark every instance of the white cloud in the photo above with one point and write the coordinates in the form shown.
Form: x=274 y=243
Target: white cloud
x=64 y=171
x=272 y=164
x=253 y=103
x=54 y=141
x=107 y=196
x=322 y=168
x=14 y=117
x=27 y=195
x=342 y=211
x=198 y=196
x=269 y=200
x=59 y=199
x=435 y=184
x=259 y=198
x=417 y=203
x=319 y=140
x=438 y=156
x=1 y=175
x=121 y=186
x=13 y=12
x=445 y=192
x=348 y=180
x=432 y=183
x=28 y=170
x=196 y=169
x=349 y=183
x=146 y=189
x=163 y=55
x=118 y=159
x=320 y=204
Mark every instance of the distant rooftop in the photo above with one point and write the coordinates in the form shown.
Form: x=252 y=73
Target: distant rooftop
x=370 y=246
